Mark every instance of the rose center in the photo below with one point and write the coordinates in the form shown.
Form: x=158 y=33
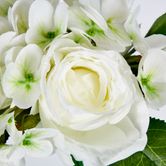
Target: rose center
x=83 y=86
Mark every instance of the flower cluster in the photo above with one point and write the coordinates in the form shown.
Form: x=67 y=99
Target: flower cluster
x=76 y=79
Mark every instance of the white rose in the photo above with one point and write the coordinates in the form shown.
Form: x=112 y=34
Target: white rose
x=91 y=97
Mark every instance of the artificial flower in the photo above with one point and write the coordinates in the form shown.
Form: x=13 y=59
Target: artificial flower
x=18 y=15
x=151 y=77
x=47 y=25
x=22 y=77
x=85 y=94
x=97 y=21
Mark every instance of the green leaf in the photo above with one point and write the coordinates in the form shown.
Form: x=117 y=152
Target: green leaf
x=138 y=159
x=30 y=122
x=4 y=138
x=2 y=111
x=25 y=121
x=159 y=26
x=155 y=151
x=133 y=62
x=19 y=116
x=7 y=110
x=76 y=163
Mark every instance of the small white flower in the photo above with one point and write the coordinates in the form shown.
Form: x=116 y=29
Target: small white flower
x=18 y=15
x=152 y=77
x=8 y=41
x=95 y=28
x=37 y=142
x=115 y=13
x=47 y=23
x=34 y=142
x=21 y=78
x=106 y=28
x=10 y=154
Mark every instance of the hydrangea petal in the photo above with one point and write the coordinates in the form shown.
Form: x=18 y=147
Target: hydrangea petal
x=61 y=18
x=40 y=18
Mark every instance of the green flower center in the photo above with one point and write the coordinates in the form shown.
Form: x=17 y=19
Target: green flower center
x=94 y=29
x=146 y=83
x=28 y=79
x=50 y=35
x=27 y=141
x=10 y=120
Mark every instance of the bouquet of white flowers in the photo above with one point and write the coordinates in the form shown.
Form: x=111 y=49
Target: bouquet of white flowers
x=77 y=79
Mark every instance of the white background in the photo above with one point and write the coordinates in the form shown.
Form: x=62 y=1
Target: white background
x=149 y=11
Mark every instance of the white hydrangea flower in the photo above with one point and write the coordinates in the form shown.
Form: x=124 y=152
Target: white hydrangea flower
x=115 y=13
x=22 y=77
x=47 y=23
x=37 y=143
x=34 y=143
x=18 y=15
x=8 y=41
x=151 y=77
x=106 y=28
x=10 y=155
